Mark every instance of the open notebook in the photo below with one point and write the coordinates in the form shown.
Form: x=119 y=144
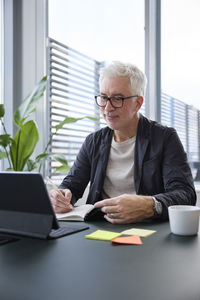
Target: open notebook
x=25 y=208
x=85 y=212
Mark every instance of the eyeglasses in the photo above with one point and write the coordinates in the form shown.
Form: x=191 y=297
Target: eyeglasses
x=116 y=102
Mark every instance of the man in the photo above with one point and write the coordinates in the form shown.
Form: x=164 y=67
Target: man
x=137 y=166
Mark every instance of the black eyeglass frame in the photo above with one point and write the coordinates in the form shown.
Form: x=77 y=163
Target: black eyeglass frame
x=109 y=99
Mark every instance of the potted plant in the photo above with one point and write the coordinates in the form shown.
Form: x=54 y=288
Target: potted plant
x=18 y=150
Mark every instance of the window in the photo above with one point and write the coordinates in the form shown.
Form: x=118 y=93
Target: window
x=104 y=30
x=80 y=42
x=180 y=105
x=180 y=50
x=1 y=51
x=72 y=86
x=1 y=59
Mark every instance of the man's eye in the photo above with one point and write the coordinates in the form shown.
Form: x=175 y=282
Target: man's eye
x=104 y=98
x=117 y=99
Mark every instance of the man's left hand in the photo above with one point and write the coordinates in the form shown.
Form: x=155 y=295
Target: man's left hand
x=126 y=208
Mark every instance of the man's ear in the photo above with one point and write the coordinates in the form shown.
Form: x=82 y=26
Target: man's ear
x=139 y=101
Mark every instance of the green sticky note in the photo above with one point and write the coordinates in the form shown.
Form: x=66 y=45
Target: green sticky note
x=138 y=231
x=102 y=235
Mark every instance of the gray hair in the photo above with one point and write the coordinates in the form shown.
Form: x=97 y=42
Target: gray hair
x=138 y=80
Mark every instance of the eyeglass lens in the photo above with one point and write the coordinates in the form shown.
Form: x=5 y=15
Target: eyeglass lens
x=115 y=101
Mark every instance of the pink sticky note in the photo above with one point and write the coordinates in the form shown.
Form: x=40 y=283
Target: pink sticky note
x=133 y=239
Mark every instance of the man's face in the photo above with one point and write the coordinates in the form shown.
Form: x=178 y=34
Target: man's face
x=122 y=118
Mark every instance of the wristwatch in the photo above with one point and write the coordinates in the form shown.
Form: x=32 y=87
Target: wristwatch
x=157 y=207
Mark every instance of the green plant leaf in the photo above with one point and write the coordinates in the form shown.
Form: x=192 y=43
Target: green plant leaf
x=2 y=154
x=29 y=104
x=58 y=157
x=23 y=145
x=2 y=111
x=41 y=158
x=5 y=140
x=30 y=165
x=63 y=169
x=68 y=120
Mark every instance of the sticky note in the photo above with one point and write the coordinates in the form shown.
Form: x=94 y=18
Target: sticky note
x=138 y=231
x=133 y=239
x=103 y=235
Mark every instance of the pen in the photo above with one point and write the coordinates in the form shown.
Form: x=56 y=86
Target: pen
x=53 y=184
x=56 y=188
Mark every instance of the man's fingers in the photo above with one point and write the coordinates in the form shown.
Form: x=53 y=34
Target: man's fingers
x=110 y=209
x=66 y=209
x=113 y=221
x=105 y=202
x=67 y=194
x=61 y=200
x=114 y=215
x=58 y=198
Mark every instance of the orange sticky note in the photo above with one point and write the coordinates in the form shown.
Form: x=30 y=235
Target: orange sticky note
x=133 y=239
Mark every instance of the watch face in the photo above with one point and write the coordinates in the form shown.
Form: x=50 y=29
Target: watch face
x=158 y=207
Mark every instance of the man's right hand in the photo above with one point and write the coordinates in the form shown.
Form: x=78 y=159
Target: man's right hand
x=61 y=200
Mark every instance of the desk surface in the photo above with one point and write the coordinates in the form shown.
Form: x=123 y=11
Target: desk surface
x=165 y=267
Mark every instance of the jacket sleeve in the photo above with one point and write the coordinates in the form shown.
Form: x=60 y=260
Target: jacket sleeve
x=79 y=175
x=177 y=177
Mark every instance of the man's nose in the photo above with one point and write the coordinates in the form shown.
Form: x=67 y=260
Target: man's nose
x=109 y=106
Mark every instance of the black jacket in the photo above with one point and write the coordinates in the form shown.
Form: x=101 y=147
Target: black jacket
x=160 y=166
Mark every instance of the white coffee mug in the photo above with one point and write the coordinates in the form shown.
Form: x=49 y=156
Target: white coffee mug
x=184 y=219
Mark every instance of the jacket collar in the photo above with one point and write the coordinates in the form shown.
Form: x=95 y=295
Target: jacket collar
x=142 y=142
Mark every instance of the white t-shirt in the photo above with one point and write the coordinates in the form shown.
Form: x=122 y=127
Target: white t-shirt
x=119 y=174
